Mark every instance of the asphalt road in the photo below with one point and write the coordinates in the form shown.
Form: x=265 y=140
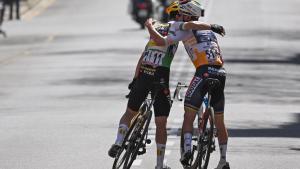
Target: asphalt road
x=65 y=68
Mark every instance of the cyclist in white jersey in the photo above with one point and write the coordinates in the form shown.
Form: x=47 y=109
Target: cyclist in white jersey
x=204 y=51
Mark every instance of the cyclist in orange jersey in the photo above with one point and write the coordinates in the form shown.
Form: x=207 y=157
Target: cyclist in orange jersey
x=204 y=51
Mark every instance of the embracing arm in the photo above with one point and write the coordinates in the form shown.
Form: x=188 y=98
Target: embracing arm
x=197 y=25
x=154 y=35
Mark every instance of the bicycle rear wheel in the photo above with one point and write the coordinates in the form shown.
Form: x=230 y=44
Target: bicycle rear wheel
x=205 y=141
x=138 y=141
x=121 y=155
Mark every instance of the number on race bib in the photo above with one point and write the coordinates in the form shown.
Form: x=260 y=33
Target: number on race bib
x=153 y=57
x=212 y=54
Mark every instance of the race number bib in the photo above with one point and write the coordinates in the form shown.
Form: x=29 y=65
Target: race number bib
x=212 y=54
x=153 y=57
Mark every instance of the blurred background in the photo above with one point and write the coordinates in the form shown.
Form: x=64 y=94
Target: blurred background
x=65 y=67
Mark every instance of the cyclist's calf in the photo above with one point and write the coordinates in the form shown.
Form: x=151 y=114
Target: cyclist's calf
x=161 y=129
x=221 y=129
x=189 y=117
x=128 y=116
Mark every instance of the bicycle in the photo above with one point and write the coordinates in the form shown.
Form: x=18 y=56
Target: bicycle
x=136 y=138
x=204 y=140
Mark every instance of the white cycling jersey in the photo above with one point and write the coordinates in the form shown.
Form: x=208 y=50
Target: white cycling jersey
x=201 y=45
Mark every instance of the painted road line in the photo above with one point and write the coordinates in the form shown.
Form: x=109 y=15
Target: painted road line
x=173 y=137
x=38 y=9
x=170 y=143
x=177 y=120
x=137 y=162
x=167 y=152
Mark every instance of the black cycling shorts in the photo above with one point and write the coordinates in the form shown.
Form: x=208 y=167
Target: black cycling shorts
x=198 y=89
x=143 y=85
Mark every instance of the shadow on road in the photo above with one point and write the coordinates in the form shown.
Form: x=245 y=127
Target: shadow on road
x=288 y=130
x=295 y=60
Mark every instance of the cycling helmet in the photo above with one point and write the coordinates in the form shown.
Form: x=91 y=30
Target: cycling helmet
x=173 y=7
x=162 y=28
x=190 y=8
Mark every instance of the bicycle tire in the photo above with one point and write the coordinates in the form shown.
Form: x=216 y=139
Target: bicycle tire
x=120 y=156
x=142 y=130
x=204 y=152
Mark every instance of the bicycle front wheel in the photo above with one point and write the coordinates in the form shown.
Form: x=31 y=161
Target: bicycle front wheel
x=138 y=140
x=121 y=155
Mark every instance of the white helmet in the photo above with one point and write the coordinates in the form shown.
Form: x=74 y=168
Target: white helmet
x=191 y=8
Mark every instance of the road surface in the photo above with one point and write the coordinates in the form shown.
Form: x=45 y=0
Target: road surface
x=65 y=68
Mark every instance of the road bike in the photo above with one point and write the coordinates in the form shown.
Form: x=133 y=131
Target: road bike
x=136 y=138
x=203 y=141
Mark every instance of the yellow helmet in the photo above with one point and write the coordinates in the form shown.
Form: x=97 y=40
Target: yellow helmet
x=173 y=7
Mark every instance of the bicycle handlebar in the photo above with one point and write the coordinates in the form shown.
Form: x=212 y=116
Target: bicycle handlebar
x=177 y=91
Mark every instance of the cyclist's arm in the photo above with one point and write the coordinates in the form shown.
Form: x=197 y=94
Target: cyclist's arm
x=172 y=37
x=197 y=25
x=154 y=35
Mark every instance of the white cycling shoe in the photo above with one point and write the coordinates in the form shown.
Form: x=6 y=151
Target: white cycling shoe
x=223 y=165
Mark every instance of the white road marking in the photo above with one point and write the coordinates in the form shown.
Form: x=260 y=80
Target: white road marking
x=167 y=152
x=137 y=162
x=37 y=10
x=170 y=143
x=177 y=120
x=173 y=137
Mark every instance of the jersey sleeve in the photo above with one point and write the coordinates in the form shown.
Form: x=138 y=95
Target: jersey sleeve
x=176 y=33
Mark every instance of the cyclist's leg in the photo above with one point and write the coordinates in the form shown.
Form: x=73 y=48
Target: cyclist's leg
x=218 y=102
x=193 y=101
x=222 y=138
x=136 y=97
x=162 y=107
